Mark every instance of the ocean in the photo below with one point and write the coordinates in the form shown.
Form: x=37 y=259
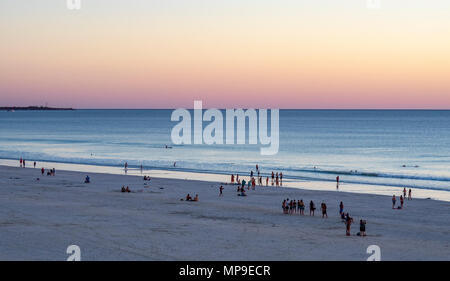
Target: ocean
x=409 y=148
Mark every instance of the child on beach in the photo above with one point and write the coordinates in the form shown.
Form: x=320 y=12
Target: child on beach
x=220 y=190
x=362 y=227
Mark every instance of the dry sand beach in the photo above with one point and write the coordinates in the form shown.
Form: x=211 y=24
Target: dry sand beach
x=39 y=219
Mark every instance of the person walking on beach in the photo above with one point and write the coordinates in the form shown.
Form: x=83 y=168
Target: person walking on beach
x=348 y=223
x=24 y=163
x=220 y=190
x=273 y=176
x=393 y=201
x=341 y=208
x=232 y=178
x=276 y=179
x=409 y=195
x=21 y=161
x=281 y=178
x=42 y=171
x=267 y=181
x=311 y=208
x=337 y=180
x=404 y=192
x=323 y=206
x=401 y=202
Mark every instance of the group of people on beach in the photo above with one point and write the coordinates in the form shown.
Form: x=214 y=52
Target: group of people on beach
x=298 y=206
x=23 y=163
x=51 y=172
x=293 y=207
x=277 y=179
x=189 y=198
x=402 y=199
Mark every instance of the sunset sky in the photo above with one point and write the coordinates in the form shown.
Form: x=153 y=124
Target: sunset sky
x=228 y=53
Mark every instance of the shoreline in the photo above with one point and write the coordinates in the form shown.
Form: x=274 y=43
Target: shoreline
x=41 y=218
x=319 y=185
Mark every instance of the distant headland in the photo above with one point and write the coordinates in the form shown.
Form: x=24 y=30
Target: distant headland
x=14 y=108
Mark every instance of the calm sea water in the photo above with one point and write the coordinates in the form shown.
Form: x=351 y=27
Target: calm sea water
x=383 y=147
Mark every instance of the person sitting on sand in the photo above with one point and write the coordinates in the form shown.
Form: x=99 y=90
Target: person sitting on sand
x=393 y=201
x=311 y=208
x=196 y=198
x=87 y=180
x=122 y=189
x=362 y=227
x=323 y=206
x=188 y=197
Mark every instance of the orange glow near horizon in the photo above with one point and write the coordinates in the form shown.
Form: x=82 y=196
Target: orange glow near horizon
x=322 y=56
